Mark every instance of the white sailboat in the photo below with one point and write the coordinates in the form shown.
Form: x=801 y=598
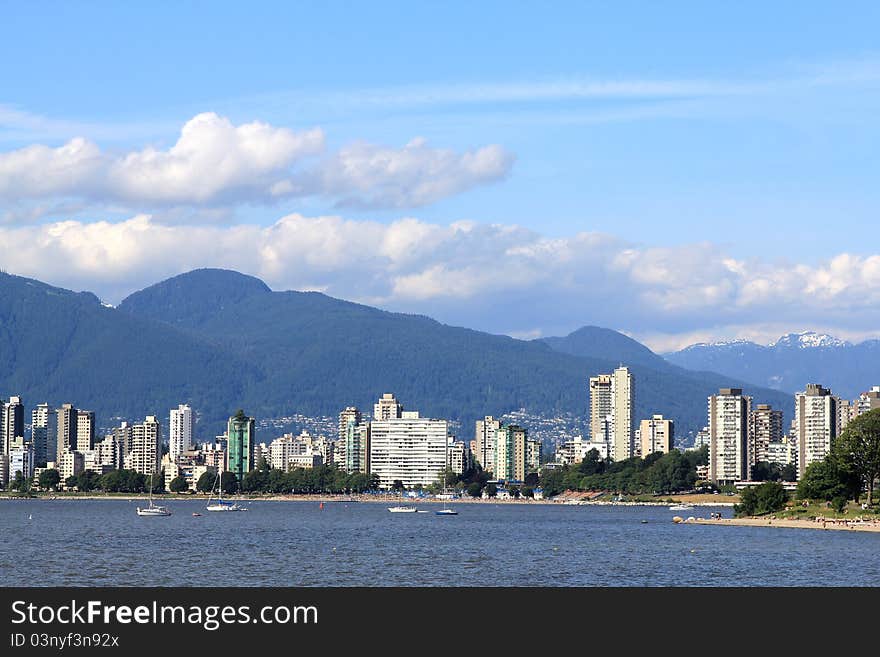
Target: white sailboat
x=221 y=504
x=402 y=508
x=153 y=509
x=445 y=511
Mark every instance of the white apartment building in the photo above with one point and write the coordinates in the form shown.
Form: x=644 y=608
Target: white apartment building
x=307 y=461
x=781 y=452
x=765 y=427
x=868 y=401
x=409 y=448
x=21 y=459
x=70 y=465
x=146 y=440
x=817 y=424
x=85 y=430
x=573 y=451
x=728 y=436
x=387 y=408
x=181 y=424
x=612 y=406
x=109 y=453
x=458 y=457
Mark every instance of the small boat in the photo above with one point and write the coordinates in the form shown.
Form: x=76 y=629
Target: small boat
x=681 y=507
x=153 y=509
x=196 y=515
x=445 y=511
x=221 y=504
x=402 y=509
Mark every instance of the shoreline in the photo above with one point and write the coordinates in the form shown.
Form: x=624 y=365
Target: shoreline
x=837 y=524
x=358 y=499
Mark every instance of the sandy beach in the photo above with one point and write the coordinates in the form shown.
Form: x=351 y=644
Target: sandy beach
x=791 y=523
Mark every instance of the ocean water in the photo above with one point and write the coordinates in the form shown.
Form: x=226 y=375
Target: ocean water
x=104 y=543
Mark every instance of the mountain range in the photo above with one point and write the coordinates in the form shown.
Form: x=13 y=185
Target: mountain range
x=220 y=340
x=791 y=362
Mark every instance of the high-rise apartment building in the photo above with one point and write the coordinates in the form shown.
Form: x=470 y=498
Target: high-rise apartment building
x=354 y=440
x=817 y=424
x=408 y=448
x=387 y=408
x=484 y=442
x=180 y=431
x=868 y=401
x=66 y=425
x=601 y=404
x=350 y=414
x=656 y=435
x=146 y=446
x=44 y=434
x=510 y=453
x=459 y=457
x=240 y=433
x=612 y=407
x=728 y=436
x=85 y=431
x=765 y=427
x=11 y=424
x=122 y=436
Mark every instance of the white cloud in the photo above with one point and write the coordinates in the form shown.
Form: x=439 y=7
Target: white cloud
x=501 y=278
x=214 y=162
x=370 y=176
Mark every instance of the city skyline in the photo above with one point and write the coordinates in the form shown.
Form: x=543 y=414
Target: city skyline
x=595 y=165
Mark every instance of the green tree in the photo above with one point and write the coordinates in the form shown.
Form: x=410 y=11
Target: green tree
x=857 y=450
x=228 y=482
x=825 y=480
x=789 y=472
x=474 y=489
x=71 y=482
x=592 y=463
x=49 y=479
x=528 y=491
x=838 y=503
x=766 y=471
x=206 y=482
x=491 y=490
x=178 y=484
x=398 y=485
x=759 y=500
x=20 y=483
x=87 y=481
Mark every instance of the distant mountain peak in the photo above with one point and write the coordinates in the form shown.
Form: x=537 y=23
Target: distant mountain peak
x=809 y=340
x=719 y=343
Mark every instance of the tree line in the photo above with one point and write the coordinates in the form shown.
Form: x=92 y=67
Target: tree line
x=655 y=474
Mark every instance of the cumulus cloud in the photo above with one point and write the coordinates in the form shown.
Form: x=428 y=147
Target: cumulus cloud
x=500 y=278
x=370 y=176
x=216 y=162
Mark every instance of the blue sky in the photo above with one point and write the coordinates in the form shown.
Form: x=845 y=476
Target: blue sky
x=717 y=134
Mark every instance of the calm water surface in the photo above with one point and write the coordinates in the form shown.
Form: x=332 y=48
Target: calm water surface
x=104 y=543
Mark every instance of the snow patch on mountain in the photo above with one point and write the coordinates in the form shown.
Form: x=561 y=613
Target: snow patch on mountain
x=809 y=340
